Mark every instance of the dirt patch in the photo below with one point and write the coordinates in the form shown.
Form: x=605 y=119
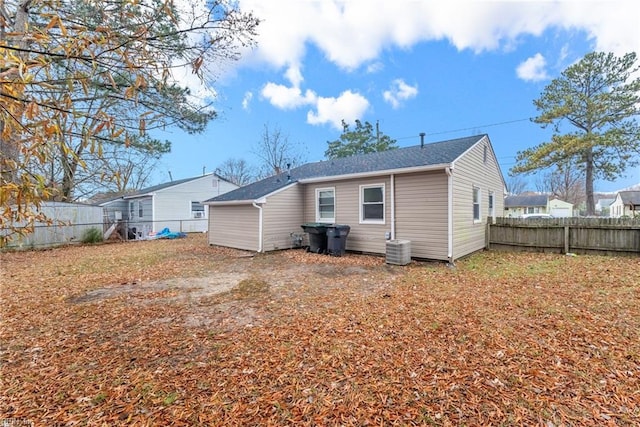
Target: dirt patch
x=239 y=292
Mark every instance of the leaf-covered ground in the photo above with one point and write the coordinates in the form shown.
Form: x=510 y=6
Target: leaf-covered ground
x=180 y=333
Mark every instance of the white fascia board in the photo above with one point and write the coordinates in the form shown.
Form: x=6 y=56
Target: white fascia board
x=137 y=196
x=440 y=166
x=262 y=200
x=230 y=203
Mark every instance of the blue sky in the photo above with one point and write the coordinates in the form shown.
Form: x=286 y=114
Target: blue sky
x=449 y=69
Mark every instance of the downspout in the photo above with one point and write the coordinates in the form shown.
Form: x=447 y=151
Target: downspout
x=449 y=171
x=257 y=206
x=392 y=196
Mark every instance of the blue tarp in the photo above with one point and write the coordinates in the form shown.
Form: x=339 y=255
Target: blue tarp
x=165 y=233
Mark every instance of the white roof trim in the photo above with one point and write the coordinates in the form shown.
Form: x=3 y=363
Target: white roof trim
x=260 y=200
x=440 y=166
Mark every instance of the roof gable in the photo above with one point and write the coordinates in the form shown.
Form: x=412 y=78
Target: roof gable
x=165 y=185
x=630 y=197
x=434 y=154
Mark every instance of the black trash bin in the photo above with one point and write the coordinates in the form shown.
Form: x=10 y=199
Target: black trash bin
x=337 y=239
x=317 y=236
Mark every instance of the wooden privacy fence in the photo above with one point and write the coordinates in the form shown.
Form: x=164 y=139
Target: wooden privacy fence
x=565 y=235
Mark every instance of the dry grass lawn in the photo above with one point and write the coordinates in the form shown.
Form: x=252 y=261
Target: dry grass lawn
x=174 y=332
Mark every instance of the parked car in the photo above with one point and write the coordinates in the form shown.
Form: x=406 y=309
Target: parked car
x=536 y=216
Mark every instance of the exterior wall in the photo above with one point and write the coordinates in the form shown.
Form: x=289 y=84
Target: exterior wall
x=560 y=208
x=282 y=215
x=619 y=209
x=362 y=237
x=616 y=210
x=111 y=208
x=515 y=212
x=234 y=226
x=173 y=204
x=143 y=224
x=421 y=213
x=471 y=170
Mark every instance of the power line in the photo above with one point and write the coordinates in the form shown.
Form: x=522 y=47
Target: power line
x=469 y=128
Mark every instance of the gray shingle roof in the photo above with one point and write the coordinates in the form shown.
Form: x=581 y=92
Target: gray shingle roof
x=527 y=200
x=630 y=197
x=437 y=153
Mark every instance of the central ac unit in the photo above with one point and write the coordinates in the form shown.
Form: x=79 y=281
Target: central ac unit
x=398 y=252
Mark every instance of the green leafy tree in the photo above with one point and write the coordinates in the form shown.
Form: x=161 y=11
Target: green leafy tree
x=600 y=98
x=79 y=78
x=361 y=140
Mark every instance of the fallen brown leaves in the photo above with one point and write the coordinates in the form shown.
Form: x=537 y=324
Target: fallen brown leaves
x=179 y=333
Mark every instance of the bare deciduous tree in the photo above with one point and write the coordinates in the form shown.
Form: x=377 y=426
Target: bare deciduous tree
x=236 y=171
x=276 y=152
x=566 y=182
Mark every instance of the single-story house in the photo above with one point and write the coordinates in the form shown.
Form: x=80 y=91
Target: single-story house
x=437 y=196
x=176 y=205
x=626 y=203
x=515 y=206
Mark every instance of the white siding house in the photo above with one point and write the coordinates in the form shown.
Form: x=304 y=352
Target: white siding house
x=177 y=205
x=626 y=204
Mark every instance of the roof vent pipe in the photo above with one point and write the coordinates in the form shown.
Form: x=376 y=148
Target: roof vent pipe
x=288 y=172
x=422 y=134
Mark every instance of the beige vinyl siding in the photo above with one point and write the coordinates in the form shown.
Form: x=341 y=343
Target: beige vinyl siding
x=362 y=237
x=282 y=215
x=234 y=226
x=421 y=213
x=470 y=170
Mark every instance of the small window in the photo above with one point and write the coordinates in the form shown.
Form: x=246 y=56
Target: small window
x=197 y=210
x=484 y=155
x=132 y=210
x=140 y=212
x=476 y=204
x=372 y=203
x=325 y=205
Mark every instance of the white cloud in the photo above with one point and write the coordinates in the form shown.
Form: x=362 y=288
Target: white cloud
x=349 y=106
x=246 y=100
x=375 y=67
x=353 y=33
x=398 y=92
x=533 y=69
x=287 y=98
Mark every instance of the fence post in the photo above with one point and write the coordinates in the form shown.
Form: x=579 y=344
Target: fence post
x=488 y=235
x=566 y=239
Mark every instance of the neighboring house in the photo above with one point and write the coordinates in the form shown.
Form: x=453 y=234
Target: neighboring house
x=626 y=203
x=602 y=206
x=438 y=196
x=175 y=204
x=515 y=206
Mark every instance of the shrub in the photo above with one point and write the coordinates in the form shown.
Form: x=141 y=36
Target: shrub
x=92 y=235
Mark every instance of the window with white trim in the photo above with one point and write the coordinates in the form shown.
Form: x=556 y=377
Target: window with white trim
x=132 y=210
x=326 y=205
x=476 y=204
x=372 y=204
x=197 y=210
x=140 y=210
